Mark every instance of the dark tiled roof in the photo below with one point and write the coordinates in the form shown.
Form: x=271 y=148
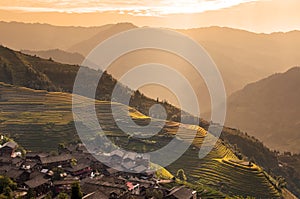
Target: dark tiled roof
x=130 y=156
x=144 y=156
x=17 y=160
x=10 y=144
x=36 y=155
x=96 y=195
x=140 y=169
x=65 y=182
x=112 y=171
x=31 y=164
x=181 y=193
x=128 y=165
x=14 y=173
x=4 y=169
x=6 y=160
x=55 y=159
x=77 y=167
x=36 y=182
x=117 y=153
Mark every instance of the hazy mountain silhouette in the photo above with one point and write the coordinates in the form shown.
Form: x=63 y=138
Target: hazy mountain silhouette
x=31 y=71
x=269 y=109
x=87 y=45
x=242 y=57
x=37 y=36
x=57 y=55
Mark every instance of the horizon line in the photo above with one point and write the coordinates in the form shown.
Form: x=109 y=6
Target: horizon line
x=126 y=22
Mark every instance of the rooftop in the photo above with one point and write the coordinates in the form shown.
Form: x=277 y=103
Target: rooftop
x=181 y=193
x=54 y=159
x=10 y=144
x=36 y=182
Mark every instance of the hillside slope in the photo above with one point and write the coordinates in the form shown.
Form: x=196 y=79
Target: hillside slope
x=269 y=109
x=57 y=55
x=34 y=118
x=55 y=73
x=242 y=57
x=33 y=72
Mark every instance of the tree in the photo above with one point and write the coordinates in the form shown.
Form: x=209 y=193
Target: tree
x=49 y=196
x=8 y=192
x=31 y=194
x=76 y=192
x=5 y=183
x=281 y=183
x=53 y=153
x=63 y=195
x=181 y=175
x=61 y=148
x=153 y=193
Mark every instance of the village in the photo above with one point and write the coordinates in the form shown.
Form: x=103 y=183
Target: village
x=44 y=175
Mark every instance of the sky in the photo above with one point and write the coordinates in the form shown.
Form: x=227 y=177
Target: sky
x=134 y=7
x=261 y=16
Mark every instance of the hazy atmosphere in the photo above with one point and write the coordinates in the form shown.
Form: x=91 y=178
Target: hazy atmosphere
x=253 y=15
x=162 y=99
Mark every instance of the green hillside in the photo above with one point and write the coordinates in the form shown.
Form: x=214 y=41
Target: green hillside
x=33 y=72
x=40 y=120
x=44 y=120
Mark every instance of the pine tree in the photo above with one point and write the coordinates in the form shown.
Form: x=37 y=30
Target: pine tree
x=76 y=192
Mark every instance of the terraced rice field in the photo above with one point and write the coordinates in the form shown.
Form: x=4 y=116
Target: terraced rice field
x=39 y=120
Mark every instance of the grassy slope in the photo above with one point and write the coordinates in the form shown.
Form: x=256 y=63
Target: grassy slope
x=39 y=120
x=263 y=156
x=53 y=76
x=33 y=72
x=269 y=110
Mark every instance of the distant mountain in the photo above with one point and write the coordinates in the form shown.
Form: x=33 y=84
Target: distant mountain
x=33 y=72
x=37 y=36
x=56 y=125
x=269 y=109
x=241 y=56
x=84 y=47
x=57 y=55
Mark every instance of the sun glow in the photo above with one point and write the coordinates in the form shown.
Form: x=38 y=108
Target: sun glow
x=133 y=7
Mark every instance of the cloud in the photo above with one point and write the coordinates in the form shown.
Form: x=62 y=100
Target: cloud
x=135 y=7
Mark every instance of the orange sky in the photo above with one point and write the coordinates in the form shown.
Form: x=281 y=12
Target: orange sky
x=253 y=15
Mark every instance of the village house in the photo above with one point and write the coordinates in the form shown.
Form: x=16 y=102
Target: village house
x=5 y=160
x=116 y=157
x=143 y=159
x=8 y=149
x=96 y=195
x=38 y=185
x=63 y=160
x=36 y=156
x=64 y=185
x=82 y=170
x=35 y=173
x=181 y=193
x=110 y=187
x=17 y=175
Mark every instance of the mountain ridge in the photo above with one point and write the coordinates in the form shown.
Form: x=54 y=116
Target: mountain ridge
x=276 y=98
x=241 y=56
x=57 y=55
